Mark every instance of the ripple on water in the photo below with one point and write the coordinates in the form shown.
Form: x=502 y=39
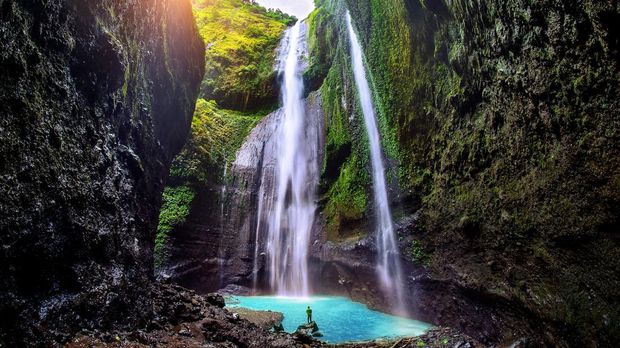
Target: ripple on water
x=339 y=318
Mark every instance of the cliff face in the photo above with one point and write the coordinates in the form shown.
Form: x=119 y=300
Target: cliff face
x=215 y=246
x=239 y=89
x=500 y=122
x=95 y=101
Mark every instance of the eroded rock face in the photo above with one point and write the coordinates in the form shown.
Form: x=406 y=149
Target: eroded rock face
x=95 y=100
x=184 y=319
x=215 y=246
x=505 y=116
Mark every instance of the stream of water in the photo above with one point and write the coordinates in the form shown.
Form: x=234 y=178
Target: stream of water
x=294 y=208
x=388 y=265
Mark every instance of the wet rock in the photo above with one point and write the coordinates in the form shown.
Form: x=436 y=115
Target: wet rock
x=436 y=338
x=203 y=247
x=506 y=236
x=234 y=289
x=216 y=299
x=278 y=327
x=215 y=327
x=263 y=319
x=96 y=99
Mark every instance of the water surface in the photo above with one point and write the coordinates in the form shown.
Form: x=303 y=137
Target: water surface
x=339 y=319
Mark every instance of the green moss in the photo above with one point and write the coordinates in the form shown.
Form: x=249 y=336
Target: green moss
x=345 y=177
x=216 y=135
x=174 y=210
x=241 y=38
x=347 y=198
x=494 y=122
x=418 y=254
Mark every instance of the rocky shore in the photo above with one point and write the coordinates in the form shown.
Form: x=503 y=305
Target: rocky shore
x=182 y=318
x=263 y=319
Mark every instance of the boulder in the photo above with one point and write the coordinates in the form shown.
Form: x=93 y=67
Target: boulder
x=216 y=300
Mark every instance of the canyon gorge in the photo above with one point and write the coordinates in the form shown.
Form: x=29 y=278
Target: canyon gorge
x=452 y=161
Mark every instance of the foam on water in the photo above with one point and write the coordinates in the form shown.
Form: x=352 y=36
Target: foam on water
x=339 y=319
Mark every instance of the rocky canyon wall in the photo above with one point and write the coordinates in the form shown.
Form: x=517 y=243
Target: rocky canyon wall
x=96 y=99
x=215 y=245
x=500 y=123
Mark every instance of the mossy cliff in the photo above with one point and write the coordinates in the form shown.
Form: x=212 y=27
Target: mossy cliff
x=96 y=100
x=241 y=39
x=499 y=122
x=239 y=88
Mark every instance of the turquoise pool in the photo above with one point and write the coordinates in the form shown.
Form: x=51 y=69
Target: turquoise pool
x=339 y=318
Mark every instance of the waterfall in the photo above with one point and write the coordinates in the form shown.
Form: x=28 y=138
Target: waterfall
x=223 y=195
x=259 y=214
x=292 y=215
x=221 y=253
x=388 y=263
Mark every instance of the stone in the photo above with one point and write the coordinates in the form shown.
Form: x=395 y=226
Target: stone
x=216 y=299
x=96 y=99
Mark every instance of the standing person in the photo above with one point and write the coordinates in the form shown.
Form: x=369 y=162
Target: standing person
x=309 y=313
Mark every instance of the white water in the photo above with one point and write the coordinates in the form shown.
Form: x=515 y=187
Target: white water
x=259 y=214
x=220 y=251
x=291 y=221
x=388 y=263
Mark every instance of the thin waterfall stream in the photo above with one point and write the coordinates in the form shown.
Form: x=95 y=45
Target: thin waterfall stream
x=388 y=265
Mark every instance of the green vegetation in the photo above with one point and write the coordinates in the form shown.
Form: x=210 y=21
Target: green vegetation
x=174 y=211
x=501 y=129
x=239 y=88
x=241 y=39
x=418 y=254
x=215 y=137
x=347 y=198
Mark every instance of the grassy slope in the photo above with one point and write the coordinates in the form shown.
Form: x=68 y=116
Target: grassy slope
x=241 y=39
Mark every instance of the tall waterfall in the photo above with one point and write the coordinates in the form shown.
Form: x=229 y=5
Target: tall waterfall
x=294 y=208
x=388 y=264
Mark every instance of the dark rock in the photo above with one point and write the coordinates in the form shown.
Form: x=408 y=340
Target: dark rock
x=216 y=300
x=512 y=167
x=204 y=255
x=234 y=289
x=278 y=327
x=96 y=98
x=215 y=328
x=264 y=319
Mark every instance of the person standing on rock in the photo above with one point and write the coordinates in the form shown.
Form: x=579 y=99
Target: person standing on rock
x=309 y=313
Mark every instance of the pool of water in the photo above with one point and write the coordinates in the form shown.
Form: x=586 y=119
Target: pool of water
x=339 y=319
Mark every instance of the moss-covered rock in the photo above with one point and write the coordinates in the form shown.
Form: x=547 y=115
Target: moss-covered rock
x=239 y=88
x=500 y=119
x=173 y=212
x=96 y=99
x=241 y=39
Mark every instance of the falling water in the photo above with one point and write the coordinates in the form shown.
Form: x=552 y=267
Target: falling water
x=259 y=214
x=223 y=194
x=293 y=211
x=388 y=264
x=220 y=251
